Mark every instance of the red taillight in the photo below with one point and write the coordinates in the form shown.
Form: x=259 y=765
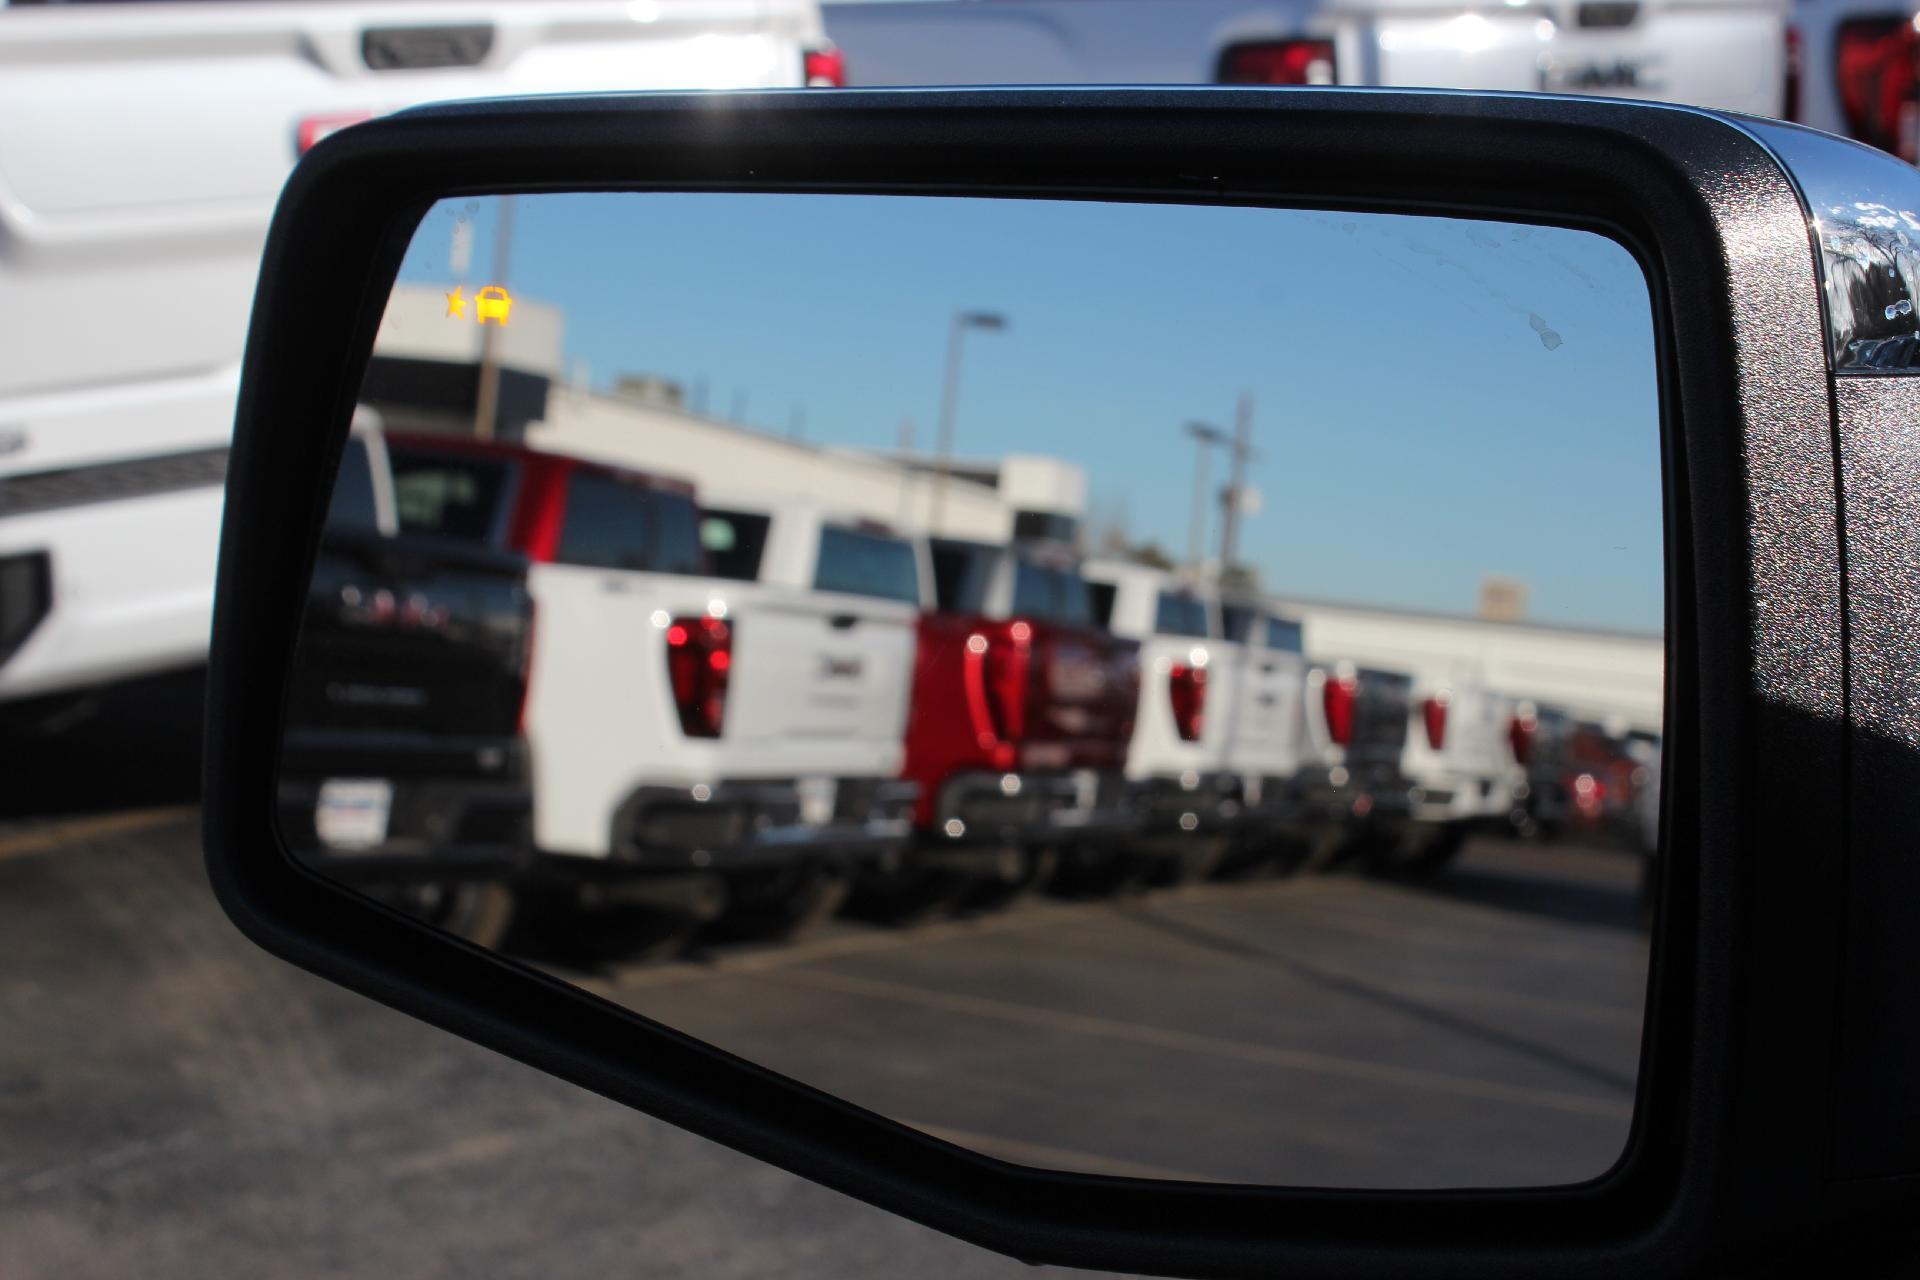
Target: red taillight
x=1187 y=689
x=1278 y=62
x=1009 y=674
x=699 y=656
x=1337 y=697
x=314 y=128
x=1874 y=69
x=1790 y=95
x=1520 y=737
x=824 y=67
x=1434 y=712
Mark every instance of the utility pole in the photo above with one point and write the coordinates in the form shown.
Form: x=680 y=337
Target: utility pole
x=1205 y=437
x=1233 y=497
x=486 y=399
x=909 y=478
x=797 y=423
x=991 y=322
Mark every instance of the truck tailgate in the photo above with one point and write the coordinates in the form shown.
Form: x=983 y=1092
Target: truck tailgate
x=410 y=636
x=1265 y=716
x=819 y=683
x=1725 y=54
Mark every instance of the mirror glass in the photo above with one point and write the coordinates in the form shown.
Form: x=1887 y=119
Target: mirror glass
x=1157 y=690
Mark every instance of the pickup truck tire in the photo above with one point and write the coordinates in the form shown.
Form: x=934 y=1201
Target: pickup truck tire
x=1323 y=851
x=911 y=895
x=783 y=905
x=1037 y=869
x=1197 y=859
x=1426 y=853
x=477 y=911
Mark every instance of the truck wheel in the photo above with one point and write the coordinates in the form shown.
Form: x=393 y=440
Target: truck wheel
x=1433 y=854
x=1037 y=869
x=1323 y=851
x=1198 y=858
x=911 y=895
x=479 y=911
x=784 y=905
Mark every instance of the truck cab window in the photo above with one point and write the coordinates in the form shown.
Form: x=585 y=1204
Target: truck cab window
x=1177 y=614
x=607 y=525
x=676 y=533
x=960 y=574
x=734 y=542
x=1051 y=593
x=866 y=564
x=352 y=508
x=1285 y=636
x=1236 y=621
x=450 y=496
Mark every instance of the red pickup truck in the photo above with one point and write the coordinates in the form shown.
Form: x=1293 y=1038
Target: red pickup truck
x=1022 y=711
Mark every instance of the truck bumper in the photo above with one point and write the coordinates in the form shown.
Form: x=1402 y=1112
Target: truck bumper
x=746 y=826
x=1331 y=797
x=1031 y=809
x=1187 y=804
x=457 y=809
x=128 y=590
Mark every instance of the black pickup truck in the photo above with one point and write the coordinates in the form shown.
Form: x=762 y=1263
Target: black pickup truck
x=402 y=769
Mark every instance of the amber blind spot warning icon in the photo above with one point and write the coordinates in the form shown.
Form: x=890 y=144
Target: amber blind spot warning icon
x=491 y=303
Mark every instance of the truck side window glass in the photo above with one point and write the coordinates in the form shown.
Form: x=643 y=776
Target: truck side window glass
x=960 y=572
x=865 y=564
x=1284 y=636
x=607 y=524
x=1237 y=621
x=676 y=534
x=1179 y=615
x=1100 y=597
x=352 y=508
x=1049 y=593
x=734 y=542
x=450 y=496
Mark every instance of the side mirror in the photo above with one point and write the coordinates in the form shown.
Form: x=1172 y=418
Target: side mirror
x=1729 y=297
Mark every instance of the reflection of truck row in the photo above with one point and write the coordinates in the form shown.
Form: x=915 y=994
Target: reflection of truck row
x=129 y=246
x=784 y=704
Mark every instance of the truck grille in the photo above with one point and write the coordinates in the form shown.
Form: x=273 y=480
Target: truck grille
x=112 y=481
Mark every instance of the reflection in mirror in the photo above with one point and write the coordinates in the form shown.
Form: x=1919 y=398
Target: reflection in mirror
x=1153 y=690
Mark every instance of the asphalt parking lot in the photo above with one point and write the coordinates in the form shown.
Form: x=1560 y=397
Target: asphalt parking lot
x=177 y=1103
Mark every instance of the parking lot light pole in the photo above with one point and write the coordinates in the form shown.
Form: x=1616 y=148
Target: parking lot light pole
x=991 y=322
x=1205 y=437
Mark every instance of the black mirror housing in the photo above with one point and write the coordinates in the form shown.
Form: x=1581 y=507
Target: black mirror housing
x=1766 y=1090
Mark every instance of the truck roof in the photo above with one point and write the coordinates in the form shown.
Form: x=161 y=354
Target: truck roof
x=539 y=461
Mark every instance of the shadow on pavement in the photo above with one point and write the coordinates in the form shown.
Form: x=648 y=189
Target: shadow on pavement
x=134 y=745
x=1501 y=878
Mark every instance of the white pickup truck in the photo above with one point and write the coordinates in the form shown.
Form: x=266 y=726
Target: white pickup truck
x=1178 y=765
x=1267 y=730
x=1462 y=766
x=1725 y=54
x=739 y=731
x=141 y=150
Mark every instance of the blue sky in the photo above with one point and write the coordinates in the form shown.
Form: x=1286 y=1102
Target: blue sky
x=1417 y=429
